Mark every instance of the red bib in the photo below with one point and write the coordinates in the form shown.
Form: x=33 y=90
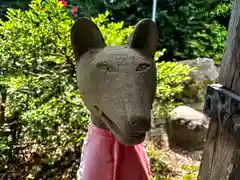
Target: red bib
x=104 y=158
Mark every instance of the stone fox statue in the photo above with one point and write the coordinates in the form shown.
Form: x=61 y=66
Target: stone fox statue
x=117 y=85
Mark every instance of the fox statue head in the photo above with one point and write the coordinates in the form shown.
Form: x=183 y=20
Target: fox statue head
x=117 y=83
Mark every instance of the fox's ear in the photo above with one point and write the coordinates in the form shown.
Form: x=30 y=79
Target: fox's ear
x=85 y=35
x=144 y=37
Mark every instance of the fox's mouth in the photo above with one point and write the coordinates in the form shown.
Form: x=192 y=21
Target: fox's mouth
x=138 y=135
x=116 y=130
x=124 y=138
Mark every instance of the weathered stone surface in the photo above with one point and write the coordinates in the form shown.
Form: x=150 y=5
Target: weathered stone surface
x=207 y=70
x=187 y=128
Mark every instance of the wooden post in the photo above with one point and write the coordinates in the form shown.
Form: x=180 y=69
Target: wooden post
x=221 y=155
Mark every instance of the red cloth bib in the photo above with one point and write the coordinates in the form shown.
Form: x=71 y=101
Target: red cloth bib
x=104 y=158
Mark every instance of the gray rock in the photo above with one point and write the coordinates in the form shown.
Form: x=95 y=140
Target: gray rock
x=207 y=69
x=187 y=128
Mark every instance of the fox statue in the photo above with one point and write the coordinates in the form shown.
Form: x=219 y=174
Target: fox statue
x=117 y=85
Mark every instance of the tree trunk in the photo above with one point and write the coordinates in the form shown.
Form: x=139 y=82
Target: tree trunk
x=221 y=157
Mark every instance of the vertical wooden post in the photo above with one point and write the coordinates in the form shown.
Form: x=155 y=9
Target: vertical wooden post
x=221 y=155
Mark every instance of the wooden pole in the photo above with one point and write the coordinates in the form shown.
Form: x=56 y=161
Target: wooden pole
x=221 y=157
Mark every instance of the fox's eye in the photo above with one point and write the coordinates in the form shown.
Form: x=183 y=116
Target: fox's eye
x=142 y=67
x=104 y=66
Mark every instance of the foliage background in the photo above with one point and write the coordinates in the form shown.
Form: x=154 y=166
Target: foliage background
x=188 y=28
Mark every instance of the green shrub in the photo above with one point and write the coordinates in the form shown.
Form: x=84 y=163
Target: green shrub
x=38 y=74
x=188 y=28
x=171 y=78
x=159 y=169
x=113 y=33
x=192 y=172
x=202 y=43
x=201 y=27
